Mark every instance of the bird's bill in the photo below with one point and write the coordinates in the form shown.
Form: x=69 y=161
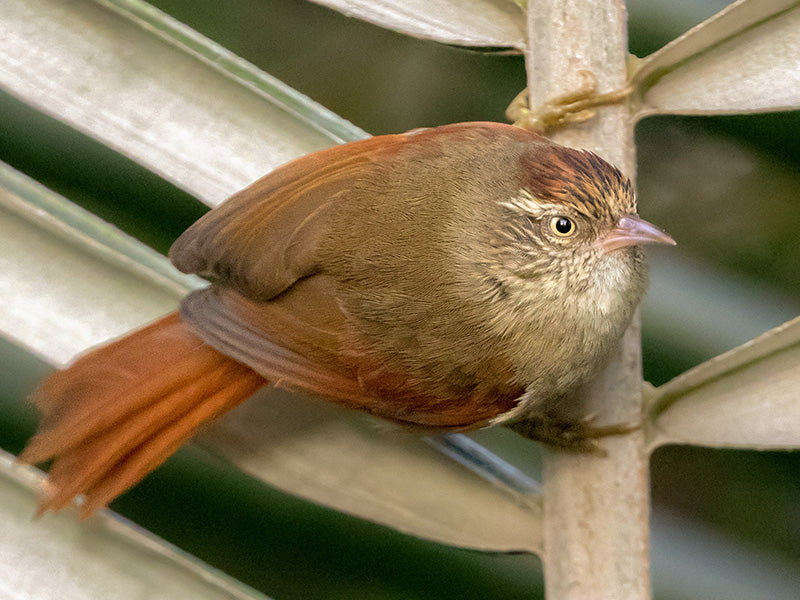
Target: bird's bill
x=632 y=230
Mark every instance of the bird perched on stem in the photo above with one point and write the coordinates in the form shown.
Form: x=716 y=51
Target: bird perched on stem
x=445 y=279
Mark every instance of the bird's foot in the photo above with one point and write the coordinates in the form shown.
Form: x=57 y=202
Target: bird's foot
x=576 y=106
x=573 y=435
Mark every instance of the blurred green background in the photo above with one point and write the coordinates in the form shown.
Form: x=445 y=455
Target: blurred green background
x=727 y=188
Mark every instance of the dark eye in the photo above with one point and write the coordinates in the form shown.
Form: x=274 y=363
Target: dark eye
x=562 y=226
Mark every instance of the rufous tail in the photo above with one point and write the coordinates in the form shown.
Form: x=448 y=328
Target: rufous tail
x=121 y=410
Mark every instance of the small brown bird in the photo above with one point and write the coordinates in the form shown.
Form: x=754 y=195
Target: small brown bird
x=446 y=279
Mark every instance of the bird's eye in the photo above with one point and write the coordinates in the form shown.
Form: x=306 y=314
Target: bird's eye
x=562 y=226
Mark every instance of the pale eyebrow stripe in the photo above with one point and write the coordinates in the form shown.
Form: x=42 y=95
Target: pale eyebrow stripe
x=528 y=205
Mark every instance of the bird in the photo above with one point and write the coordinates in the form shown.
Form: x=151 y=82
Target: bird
x=444 y=279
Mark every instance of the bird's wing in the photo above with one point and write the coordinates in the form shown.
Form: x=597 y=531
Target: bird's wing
x=264 y=238
x=300 y=341
x=295 y=341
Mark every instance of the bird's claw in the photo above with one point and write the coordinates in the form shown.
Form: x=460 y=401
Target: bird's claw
x=573 y=435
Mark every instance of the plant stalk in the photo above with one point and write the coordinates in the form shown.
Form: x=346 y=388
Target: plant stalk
x=596 y=508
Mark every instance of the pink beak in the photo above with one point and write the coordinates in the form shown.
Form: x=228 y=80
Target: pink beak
x=632 y=230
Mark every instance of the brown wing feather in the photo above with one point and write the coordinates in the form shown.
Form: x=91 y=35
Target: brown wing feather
x=299 y=348
x=302 y=341
x=262 y=239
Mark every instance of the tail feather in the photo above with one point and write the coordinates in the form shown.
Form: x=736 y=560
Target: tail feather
x=89 y=407
x=86 y=462
x=165 y=442
x=120 y=411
